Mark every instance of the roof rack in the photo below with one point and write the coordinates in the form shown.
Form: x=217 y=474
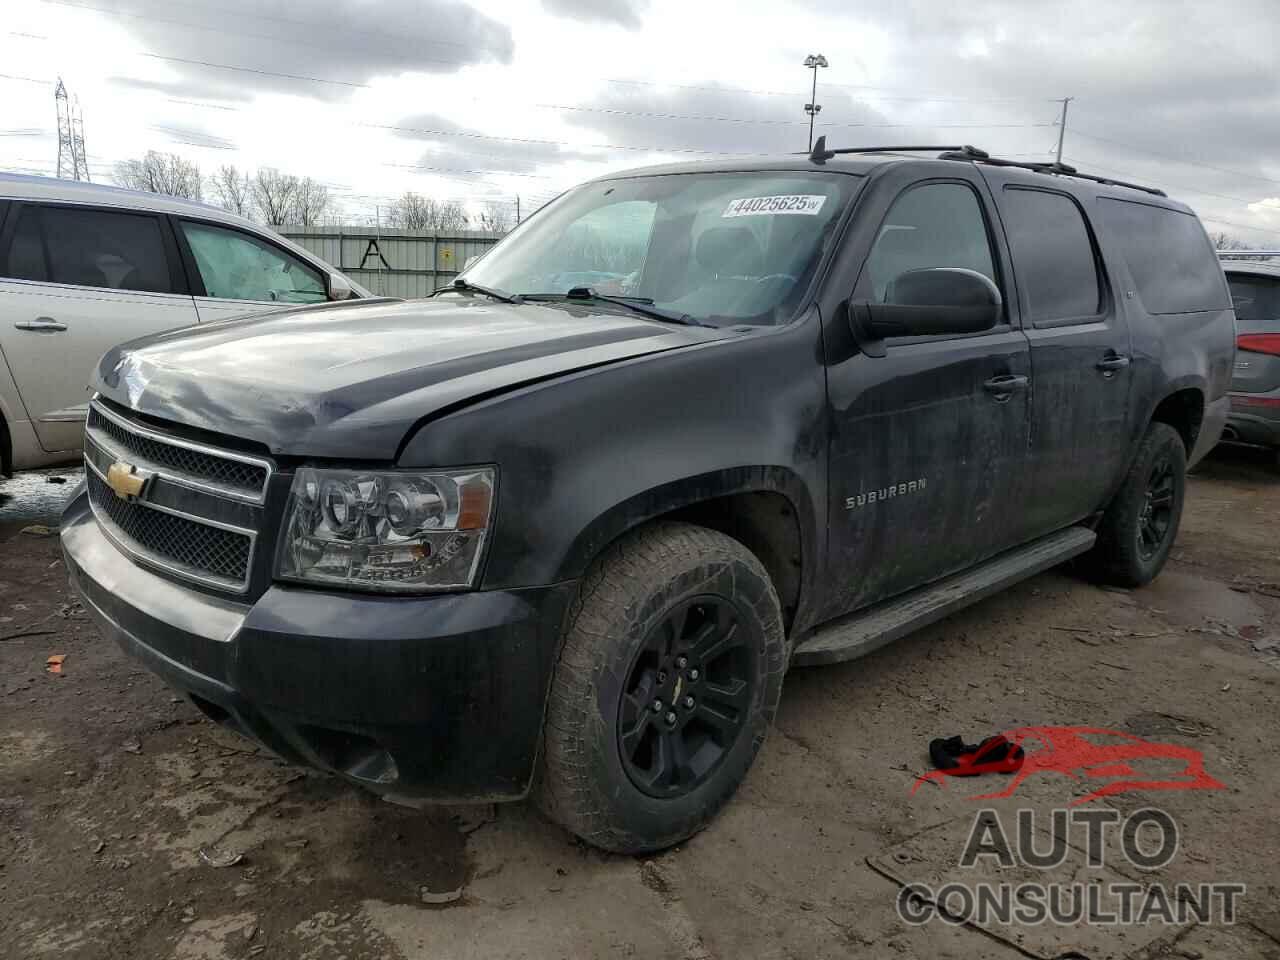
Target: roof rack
x=821 y=154
x=1232 y=254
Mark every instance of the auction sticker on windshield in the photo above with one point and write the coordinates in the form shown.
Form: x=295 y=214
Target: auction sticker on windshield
x=806 y=204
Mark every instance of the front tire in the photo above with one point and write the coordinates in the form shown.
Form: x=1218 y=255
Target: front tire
x=1141 y=522
x=669 y=676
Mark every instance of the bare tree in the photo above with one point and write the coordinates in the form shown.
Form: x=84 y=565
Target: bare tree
x=273 y=195
x=230 y=187
x=412 y=211
x=451 y=216
x=496 y=217
x=311 y=202
x=165 y=173
x=416 y=212
x=1225 y=241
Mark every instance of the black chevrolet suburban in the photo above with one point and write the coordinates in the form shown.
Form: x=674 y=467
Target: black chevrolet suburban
x=561 y=529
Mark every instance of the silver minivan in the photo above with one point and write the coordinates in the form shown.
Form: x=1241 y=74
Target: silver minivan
x=84 y=267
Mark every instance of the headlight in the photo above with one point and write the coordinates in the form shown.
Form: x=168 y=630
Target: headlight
x=393 y=530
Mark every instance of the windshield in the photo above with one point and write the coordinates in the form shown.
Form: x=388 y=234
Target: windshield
x=719 y=247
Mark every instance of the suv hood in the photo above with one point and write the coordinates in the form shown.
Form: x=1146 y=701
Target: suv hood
x=350 y=380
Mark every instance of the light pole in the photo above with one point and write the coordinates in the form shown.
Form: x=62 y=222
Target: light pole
x=813 y=61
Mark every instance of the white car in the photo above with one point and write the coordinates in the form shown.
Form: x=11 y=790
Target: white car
x=84 y=267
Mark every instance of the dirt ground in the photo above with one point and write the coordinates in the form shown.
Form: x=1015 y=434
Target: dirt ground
x=111 y=787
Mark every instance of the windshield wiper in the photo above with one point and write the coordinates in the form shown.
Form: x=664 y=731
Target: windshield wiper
x=642 y=305
x=466 y=286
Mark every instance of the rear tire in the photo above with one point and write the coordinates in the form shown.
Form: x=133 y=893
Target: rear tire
x=668 y=679
x=1141 y=522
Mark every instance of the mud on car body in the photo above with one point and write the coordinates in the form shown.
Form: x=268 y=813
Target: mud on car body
x=562 y=528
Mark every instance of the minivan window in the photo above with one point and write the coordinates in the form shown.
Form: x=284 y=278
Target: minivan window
x=1257 y=303
x=1053 y=255
x=1169 y=256
x=26 y=250
x=931 y=225
x=100 y=248
x=720 y=247
x=236 y=266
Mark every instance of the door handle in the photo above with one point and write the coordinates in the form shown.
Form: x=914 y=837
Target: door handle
x=41 y=325
x=1112 y=363
x=1005 y=386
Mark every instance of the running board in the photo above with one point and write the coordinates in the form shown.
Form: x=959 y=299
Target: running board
x=859 y=634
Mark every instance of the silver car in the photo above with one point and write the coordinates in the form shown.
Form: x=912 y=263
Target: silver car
x=1255 y=388
x=84 y=267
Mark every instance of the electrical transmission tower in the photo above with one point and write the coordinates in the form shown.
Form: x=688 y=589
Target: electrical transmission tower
x=73 y=164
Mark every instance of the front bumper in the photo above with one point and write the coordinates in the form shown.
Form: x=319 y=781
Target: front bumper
x=438 y=698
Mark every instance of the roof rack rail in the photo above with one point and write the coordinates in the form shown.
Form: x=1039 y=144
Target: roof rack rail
x=1232 y=254
x=821 y=154
x=1061 y=169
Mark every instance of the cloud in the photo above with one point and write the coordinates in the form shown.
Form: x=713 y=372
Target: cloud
x=292 y=47
x=1173 y=94
x=453 y=147
x=624 y=13
x=709 y=122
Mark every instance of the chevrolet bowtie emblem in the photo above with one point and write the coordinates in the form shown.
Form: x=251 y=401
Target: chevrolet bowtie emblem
x=124 y=480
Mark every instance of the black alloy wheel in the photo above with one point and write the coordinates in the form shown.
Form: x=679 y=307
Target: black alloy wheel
x=686 y=696
x=1156 y=516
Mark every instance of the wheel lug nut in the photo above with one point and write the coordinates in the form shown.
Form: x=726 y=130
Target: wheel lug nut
x=688 y=703
x=657 y=706
x=682 y=662
x=693 y=674
x=671 y=718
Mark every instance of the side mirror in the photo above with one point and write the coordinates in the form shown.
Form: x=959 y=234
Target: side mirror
x=930 y=302
x=339 y=287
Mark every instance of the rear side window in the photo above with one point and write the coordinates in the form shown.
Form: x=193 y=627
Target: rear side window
x=1169 y=256
x=26 y=250
x=1053 y=255
x=89 y=248
x=1257 y=303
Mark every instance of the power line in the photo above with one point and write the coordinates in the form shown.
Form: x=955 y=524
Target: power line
x=1166 y=156
x=1138 y=176
x=256 y=15
x=463 y=63
x=1242 y=226
x=9 y=76
x=253 y=70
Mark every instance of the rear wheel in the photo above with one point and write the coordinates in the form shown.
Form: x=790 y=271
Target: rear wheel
x=669 y=676
x=1140 y=524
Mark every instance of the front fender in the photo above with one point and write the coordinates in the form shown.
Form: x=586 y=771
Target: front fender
x=586 y=457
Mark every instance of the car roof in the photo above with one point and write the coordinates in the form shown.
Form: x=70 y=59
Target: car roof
x=868 y=164
x=1257 y=268
x=17 y=186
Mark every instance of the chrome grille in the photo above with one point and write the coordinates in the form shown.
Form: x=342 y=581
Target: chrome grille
x=193 y=546
x=198 y=510
x=216 y=471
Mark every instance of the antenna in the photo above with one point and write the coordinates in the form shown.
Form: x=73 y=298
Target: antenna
x=73 y=164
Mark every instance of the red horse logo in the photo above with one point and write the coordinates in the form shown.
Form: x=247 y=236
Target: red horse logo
x=1067 y=750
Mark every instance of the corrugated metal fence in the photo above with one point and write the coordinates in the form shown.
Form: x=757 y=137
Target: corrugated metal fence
x=394 y=263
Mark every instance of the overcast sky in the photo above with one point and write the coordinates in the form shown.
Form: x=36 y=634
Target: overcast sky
x=527 y=97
